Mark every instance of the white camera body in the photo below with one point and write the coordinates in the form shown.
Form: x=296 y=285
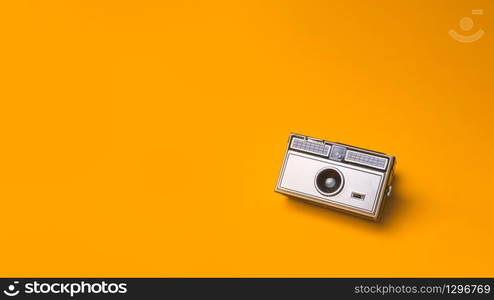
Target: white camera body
x=348 y=178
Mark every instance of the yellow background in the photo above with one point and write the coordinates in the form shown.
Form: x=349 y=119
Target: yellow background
x=144 y=138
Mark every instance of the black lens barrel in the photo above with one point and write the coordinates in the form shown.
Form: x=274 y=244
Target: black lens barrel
x=325 y=174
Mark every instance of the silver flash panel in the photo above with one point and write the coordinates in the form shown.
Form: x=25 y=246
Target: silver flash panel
x=348 y=178
x=366 y=159
x=310 y=146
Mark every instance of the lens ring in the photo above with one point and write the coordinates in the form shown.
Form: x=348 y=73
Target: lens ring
x=332 y=176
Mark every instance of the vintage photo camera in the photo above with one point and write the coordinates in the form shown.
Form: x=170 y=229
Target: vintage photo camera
x=348 y=178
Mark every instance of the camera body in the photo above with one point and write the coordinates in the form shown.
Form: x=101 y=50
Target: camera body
x=336 y=175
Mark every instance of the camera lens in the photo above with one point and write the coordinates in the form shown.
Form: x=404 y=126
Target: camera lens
x=329 y=181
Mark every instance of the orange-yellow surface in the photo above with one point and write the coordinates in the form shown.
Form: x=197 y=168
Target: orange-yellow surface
x=144 y=138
